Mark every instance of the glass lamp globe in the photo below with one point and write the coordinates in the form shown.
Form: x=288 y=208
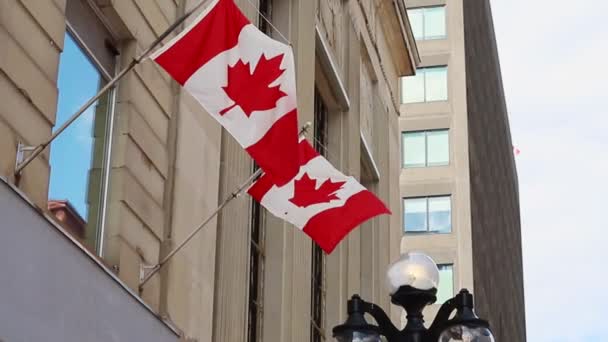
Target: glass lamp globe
x=415 y=269
x=359 y=336
x=461 y=333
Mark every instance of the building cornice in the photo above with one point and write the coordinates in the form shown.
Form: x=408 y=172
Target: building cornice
x=399 y=36
x=408 y=34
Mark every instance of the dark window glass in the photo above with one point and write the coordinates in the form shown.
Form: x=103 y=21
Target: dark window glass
x=256 y=274
x=255 y=315
x=317 y=307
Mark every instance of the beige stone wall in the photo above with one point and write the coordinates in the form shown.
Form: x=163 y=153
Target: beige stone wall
x=31 y=37
x=172 y=163
x=143 y=158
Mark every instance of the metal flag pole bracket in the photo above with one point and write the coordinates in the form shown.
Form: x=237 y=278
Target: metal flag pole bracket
x=21 y=164
x=144 y=270
x=20 y=156
x=147 y=271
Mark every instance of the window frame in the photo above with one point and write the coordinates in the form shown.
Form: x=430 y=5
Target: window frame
x=426 y=148
x=80 y=41
x=85 y=23
x=257 y=235
x=427 y=216
x=318 y=259
x=453 y=284
x=87 y=29
x=423 y=9
x=424 y=81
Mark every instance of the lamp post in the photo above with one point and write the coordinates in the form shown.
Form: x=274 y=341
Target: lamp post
x=413 y=281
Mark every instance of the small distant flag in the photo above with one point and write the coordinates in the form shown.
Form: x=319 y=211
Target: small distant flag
x=516 y=151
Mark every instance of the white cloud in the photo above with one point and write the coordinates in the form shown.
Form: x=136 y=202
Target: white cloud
x=83 y=129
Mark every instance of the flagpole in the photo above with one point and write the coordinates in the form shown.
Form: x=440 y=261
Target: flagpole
x=237 y=192
x=38 y=149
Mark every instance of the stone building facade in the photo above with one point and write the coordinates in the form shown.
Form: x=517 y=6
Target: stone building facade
x=157 y=164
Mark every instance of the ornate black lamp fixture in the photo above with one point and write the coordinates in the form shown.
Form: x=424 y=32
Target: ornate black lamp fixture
x=413 y=280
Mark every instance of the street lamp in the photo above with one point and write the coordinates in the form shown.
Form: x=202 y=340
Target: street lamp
x=413 y=281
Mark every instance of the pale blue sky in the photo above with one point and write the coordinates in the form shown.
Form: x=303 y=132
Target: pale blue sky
x=71 y=151
x=553 y=57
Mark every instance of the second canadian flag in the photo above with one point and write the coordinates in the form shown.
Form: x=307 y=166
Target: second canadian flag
x=319 y=200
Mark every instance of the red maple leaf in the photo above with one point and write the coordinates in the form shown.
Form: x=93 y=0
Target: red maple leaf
x=306 y=193
x=250 y=90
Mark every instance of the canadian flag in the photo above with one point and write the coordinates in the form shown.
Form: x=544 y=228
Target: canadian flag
x=319 y=200
x=244 y=79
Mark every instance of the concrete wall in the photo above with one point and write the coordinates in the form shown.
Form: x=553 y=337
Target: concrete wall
x=496 y=229
x=52 y=289
x=172 y=163
x=31 y=37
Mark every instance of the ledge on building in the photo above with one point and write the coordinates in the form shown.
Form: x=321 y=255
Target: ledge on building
x=60 y=290
x=399 y=35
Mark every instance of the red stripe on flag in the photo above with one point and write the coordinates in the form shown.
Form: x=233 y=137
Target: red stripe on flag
x=265 y=183
x=329 y=227
x=217 y=31
x=274 y=153
x=260 y=187
x=307 y=152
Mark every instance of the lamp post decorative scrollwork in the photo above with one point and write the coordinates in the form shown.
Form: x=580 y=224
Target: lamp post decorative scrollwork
x=413 y=281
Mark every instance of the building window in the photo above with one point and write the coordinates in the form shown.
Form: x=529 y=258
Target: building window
x=255 y=317
x=317 y=305
x=445 y=289
x=425 y=148
x=256 y=274
x=428 y=22
x=428 y=85
x=80 y=155
x=427 y=214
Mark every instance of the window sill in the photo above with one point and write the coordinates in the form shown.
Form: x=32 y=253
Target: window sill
x=426 y=233
x=403 y=167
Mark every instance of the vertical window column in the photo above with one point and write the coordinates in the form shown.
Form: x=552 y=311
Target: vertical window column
x=257 y=255
x=317 y=305
x=256 y=274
